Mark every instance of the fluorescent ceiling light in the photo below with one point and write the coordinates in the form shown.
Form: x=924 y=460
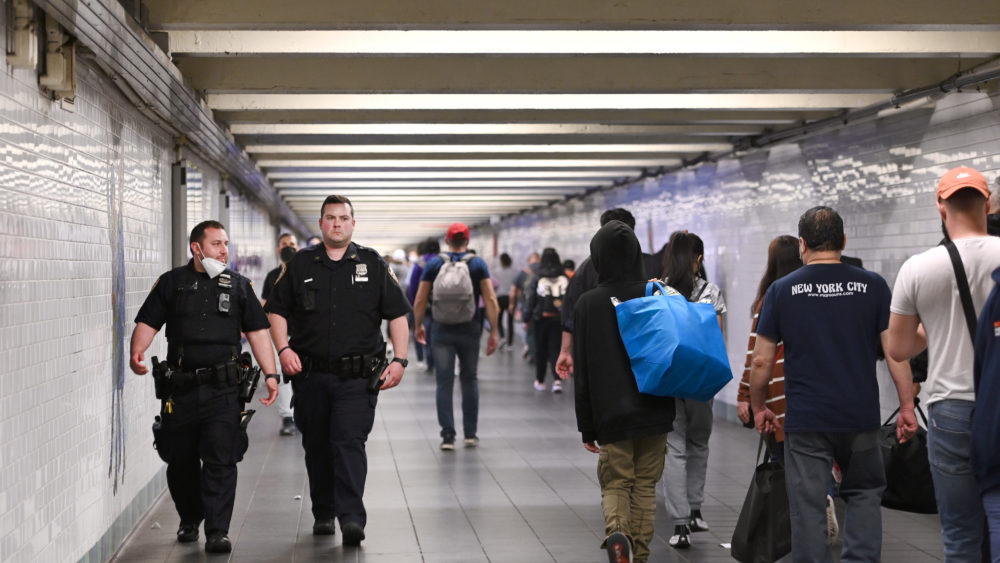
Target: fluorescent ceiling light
x=699 y=100
x=321 y=191
x=432 y=149
x=453 y=176
x=547 y=41
x=485 y=129
x=513 y=200
x=464 y=163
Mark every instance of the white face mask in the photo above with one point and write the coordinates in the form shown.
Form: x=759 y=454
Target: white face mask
x=212 y=266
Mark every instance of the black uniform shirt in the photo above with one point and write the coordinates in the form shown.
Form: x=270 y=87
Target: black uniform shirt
x=188 y=302
x=336 y=308
x=272 y=276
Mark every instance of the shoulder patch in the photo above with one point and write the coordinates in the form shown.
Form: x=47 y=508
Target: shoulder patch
x=156 y=283
x=393 y=275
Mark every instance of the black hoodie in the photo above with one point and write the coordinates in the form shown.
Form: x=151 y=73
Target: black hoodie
x=609 y=407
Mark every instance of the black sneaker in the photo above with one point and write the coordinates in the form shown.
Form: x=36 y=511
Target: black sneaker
x=619 y=548
x=218 y=542
x=324 y=527
x=696 y=522
x=187 y=533
x=288 y=426
x=681 y=538
x=353 y=534
x=448 y=443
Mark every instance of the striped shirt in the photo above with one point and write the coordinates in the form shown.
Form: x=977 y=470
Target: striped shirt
x=775 y=398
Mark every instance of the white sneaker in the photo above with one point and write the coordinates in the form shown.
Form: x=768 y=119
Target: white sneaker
x=539 y=386
x=557 y=386
x=832 y=528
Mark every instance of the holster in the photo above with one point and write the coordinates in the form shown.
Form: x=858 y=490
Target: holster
x=376 y=367
x=160 y=442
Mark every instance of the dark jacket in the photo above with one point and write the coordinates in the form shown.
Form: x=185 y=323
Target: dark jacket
x=609 y=407
x=986 y=417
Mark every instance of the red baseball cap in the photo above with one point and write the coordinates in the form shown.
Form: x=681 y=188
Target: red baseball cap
x=458 y=230
x=960 y=178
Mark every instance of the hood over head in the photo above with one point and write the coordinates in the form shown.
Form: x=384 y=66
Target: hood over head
x=616 y=254
x=550 y=265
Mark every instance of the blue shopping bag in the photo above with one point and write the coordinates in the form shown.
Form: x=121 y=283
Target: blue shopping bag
x=675 y=347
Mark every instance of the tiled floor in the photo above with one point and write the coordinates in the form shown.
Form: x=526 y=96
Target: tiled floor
x=528 y=494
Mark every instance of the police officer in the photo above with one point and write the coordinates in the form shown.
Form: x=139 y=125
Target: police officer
x=332 y=299
x=205 y=307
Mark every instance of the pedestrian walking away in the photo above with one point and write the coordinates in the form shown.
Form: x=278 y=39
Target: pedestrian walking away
x=830 y=317
x=454 y=282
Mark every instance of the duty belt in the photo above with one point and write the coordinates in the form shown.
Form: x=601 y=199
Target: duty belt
x=169 y=380
x=350 y=366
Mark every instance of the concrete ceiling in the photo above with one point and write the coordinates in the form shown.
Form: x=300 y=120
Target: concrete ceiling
x=431 y=112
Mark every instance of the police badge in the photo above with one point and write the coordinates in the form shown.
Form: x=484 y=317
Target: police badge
x=361 y=273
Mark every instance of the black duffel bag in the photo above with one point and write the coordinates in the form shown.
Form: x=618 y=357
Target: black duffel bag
x=909 y=486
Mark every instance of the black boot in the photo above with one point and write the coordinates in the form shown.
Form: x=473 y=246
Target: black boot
x=218 y=542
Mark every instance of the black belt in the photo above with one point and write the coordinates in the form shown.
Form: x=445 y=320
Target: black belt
x=221 y=375
x=351 y=366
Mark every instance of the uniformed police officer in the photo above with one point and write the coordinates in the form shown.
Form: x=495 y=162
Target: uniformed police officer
x=205 y=307
x=333 y=298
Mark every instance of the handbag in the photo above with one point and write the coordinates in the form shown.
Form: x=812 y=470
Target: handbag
x=763 y=531
x=909 y=486
x=675 y=347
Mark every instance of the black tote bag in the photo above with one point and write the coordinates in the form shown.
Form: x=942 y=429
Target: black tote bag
x=909 y=485
x=763 y=532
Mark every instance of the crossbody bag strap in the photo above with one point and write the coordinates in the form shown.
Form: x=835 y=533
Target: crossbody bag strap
x=963 y=289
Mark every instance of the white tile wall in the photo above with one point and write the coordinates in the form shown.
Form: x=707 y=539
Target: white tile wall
x=64 y=177
x=880 y=176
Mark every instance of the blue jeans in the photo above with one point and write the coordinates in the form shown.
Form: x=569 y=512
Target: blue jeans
x=808 y=459
x=991 y=503
x=461 y=340
x=949 y=446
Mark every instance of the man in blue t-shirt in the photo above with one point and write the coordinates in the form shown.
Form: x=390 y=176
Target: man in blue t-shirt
x=830 y=317
x=457 y=339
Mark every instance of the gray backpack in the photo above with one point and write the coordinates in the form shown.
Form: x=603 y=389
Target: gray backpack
x=453 y=300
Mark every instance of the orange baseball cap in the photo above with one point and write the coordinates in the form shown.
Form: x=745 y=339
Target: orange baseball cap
x=960 y=178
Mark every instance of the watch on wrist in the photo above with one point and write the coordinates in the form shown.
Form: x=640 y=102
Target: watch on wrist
x=272 y=375
x=401 y=361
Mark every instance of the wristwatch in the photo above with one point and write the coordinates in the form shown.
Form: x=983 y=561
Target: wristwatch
x=401 y=361
x=272 y=375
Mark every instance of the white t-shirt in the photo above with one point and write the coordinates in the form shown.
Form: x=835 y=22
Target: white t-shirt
x=926 y=287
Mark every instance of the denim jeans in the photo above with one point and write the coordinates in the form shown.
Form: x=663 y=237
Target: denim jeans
x=808 y=459
x=949 y=444
x=460 y=340
x=991 y=504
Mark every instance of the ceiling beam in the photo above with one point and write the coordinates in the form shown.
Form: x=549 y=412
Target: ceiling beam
x=561 y=74
x=381 y=177
x=583 y=42
x=568 y=14
x=255 y=132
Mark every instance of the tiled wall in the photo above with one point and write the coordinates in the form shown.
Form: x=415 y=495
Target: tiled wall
x=82 y=211
x=879 y=175
x=84 y=233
